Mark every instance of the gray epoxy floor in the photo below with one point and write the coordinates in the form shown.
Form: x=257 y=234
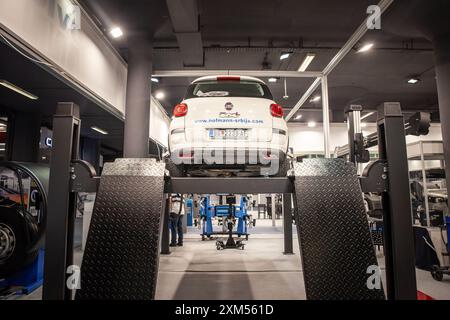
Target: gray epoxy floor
x=198 y=271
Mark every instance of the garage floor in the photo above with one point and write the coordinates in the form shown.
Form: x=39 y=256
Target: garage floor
x=261 y=271
x=198 y=271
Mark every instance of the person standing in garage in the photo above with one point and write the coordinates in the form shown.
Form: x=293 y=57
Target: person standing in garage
x=176 y=219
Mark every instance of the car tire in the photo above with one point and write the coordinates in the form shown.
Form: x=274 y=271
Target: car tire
x=285 y=166
x=13 y=228
x=175 y=170
x=437 y=273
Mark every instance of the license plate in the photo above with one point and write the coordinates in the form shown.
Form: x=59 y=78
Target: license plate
x=228 y=134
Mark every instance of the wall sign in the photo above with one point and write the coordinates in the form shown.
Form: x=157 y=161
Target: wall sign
x=69 y=15
x=49 y=142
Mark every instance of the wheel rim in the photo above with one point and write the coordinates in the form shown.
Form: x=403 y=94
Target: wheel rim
x=7 y=242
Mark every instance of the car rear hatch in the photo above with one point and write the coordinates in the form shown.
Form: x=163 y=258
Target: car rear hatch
x=228 y=118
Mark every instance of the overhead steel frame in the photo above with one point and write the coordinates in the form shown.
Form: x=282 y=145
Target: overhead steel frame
x=321 y=78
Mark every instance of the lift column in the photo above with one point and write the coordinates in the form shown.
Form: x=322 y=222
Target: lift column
x=61 y=203
x=397 y=218
x=287 y=223
x=442 y=52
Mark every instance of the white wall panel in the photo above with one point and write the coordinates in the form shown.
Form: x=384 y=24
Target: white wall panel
x=83 y=54
x=159 y=123
x=310 y=140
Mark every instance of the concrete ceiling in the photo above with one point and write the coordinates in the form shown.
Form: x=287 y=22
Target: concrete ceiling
x=252 y=34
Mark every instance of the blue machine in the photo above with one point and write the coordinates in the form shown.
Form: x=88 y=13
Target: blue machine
x=28 y=279
x=190 y=212
x=447 y=222
x=208 y=212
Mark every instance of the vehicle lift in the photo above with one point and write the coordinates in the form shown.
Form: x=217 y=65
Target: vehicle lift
x=30 y=277
x=123 y=247
x=239 y=213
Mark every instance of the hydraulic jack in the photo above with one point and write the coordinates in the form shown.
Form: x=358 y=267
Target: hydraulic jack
x=231 y=243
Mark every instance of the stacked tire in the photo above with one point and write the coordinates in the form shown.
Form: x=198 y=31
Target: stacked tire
x=18 y=232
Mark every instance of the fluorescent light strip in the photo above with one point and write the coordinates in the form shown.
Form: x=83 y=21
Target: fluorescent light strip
x=306 y=62
x=367 y=115
x=285 y=55
x=365 y=47
x=100 y=130
x=15 y=88
x=413 y=80
x=315 y=99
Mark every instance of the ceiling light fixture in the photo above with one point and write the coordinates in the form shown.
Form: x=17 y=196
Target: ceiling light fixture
x=414 y=80
x=315 y=99
x=298 y=117
x=116 y=32
x=273 y=80
x=160 y=95
x=155 y=80
x=285 y=55
x=100 y=130
x=367 y=115
x=365 y=47
x=15 y=88
x=312 y=124
x=306 y=62
x=285 y=97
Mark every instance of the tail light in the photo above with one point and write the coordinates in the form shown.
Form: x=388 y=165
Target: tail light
x=228 y=78
x=180 y=110
x=189 y=154
x=276 y=110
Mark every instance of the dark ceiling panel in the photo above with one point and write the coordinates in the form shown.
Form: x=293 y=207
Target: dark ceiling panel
x=251 y=35
x=323 y=20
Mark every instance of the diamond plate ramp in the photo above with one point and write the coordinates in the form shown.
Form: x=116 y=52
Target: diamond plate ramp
x=122 y=251
x=334 y=235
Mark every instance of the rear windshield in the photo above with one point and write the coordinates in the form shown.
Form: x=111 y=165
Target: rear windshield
x=213 y=88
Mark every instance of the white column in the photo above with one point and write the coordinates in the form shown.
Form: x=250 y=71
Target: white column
x=326 y=117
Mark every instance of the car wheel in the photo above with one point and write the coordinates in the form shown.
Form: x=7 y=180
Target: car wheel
x=14 y=242
x=285 y=166
x=437 y=273
x=175 y=170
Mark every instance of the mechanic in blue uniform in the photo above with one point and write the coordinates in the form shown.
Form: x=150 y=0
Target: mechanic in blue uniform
x=176 y=219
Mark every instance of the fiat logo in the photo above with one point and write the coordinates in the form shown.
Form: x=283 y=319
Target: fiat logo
x=229 y=106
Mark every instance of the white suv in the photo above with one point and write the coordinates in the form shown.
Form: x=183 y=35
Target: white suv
x=228 y=126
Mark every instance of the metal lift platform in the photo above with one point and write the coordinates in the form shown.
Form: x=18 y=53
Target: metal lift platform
x=129 y=226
